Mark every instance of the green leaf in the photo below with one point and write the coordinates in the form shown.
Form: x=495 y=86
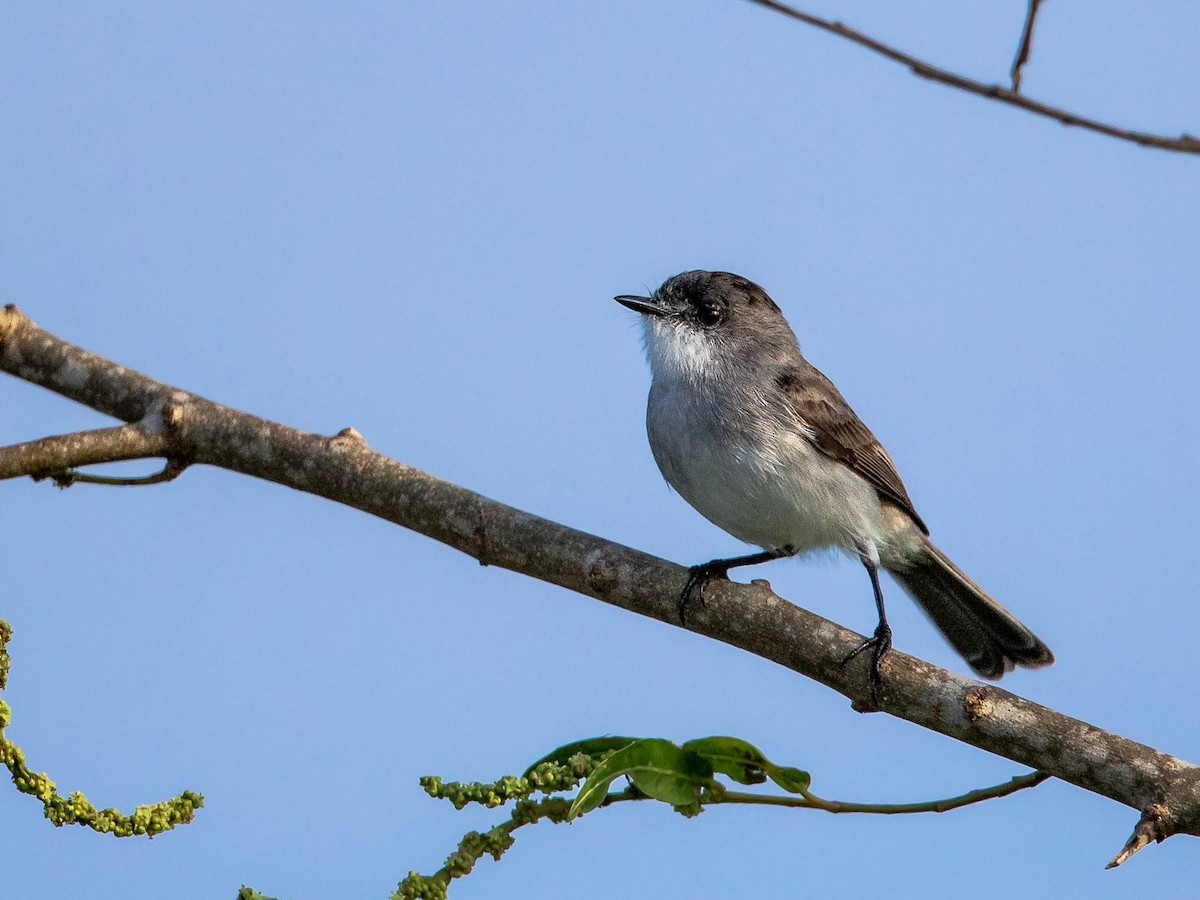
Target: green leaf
x=658 y=768
x=795 y=781
x=745 y=763
x=740 y=760
x=593 y=747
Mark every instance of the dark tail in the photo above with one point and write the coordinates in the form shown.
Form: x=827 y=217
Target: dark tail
x=983 y=632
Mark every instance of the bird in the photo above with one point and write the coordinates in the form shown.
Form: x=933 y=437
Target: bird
x=765 y=447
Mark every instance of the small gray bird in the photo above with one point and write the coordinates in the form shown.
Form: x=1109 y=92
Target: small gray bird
x=765 y=447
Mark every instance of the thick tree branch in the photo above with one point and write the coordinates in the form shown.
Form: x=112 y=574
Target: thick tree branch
x=342 y=468
x=1185 y=143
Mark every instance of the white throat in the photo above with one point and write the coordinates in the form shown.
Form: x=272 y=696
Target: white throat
x=676 y=351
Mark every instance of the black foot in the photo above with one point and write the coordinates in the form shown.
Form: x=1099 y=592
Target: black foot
x=698 y=577
x=879 y=645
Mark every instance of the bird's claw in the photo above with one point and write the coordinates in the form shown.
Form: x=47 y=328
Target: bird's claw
x=693 y=591
x=879 y=644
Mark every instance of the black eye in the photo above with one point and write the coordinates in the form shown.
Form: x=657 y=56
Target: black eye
x=710 y=314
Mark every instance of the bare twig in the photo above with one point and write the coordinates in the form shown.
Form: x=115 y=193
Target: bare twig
x=1185 y=143
x=1025 y=47
x=58 y=457
x=343 y=469
x=812 y=801
x=53 y=455
x=172 y=470
x=1154 y=825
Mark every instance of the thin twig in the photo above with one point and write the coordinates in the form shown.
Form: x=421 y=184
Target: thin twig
x=1025 y=47
x=812 y=801
x=1154 y=825
x=1185 y=143
x=172 y=470
x=50 y=456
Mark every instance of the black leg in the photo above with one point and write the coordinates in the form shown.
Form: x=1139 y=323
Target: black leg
x=699 y=576
x=881 y=642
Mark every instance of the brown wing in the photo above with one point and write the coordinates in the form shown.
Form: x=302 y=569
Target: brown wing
x=834 y=428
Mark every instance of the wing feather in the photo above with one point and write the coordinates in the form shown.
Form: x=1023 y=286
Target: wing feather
x=836 y=431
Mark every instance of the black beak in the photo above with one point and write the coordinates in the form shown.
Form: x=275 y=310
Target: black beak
x=644 y=305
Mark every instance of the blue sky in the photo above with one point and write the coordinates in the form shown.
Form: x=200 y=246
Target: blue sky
x=411 y=218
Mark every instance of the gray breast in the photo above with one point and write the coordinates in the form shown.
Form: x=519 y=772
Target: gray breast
x=756 y=476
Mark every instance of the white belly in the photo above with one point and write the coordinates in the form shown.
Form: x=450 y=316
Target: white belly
x=765 y=484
